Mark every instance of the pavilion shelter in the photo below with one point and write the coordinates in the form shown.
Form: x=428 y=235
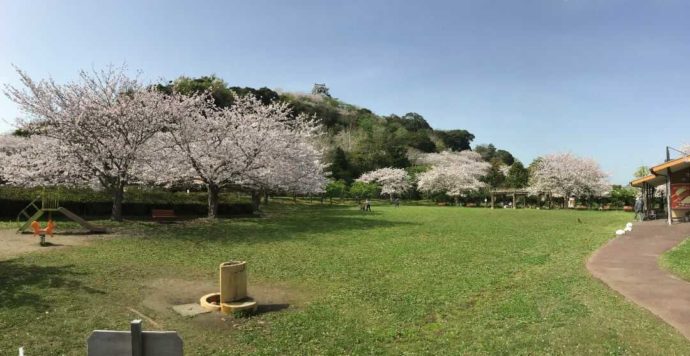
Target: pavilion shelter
x=674 y=175
x=514 y=193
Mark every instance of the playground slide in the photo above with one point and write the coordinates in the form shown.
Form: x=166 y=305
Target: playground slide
x=32 y=218
x=76 y=218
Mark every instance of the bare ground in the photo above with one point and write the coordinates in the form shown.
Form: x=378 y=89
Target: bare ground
x=13 y=244
x=163 y=294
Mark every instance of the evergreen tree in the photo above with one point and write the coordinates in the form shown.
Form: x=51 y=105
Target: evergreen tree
x=494 y=178
x=518 y=176
x=340 y=167
x=505 y=157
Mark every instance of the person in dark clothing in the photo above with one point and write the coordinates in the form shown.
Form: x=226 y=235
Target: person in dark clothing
x=367 y=205
x=639 y=209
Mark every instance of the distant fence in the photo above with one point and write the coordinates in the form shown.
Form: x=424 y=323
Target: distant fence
x=10 y=208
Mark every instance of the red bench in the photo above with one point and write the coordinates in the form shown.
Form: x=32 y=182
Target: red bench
x=163 y=215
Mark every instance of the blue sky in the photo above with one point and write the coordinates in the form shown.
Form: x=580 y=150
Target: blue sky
x=604 y=79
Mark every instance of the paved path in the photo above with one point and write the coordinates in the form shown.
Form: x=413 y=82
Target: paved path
x=629 y=265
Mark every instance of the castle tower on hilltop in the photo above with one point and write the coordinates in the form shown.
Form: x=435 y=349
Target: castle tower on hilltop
x=320 y=89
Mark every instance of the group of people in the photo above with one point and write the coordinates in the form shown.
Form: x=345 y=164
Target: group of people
x=366 y=206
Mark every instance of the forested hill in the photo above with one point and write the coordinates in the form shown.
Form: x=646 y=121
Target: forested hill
x=358 y=139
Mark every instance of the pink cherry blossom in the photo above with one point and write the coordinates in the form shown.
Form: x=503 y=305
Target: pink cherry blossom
x=393 y=181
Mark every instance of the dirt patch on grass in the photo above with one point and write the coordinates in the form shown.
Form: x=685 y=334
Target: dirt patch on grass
x=165 y=293
x=13 y=244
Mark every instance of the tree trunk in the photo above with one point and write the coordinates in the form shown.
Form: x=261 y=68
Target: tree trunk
x=118 y=197
x=213 y=193
x=266 y=198
x=256 y=200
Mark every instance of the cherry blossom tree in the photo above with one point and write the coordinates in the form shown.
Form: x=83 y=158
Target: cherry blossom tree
x=10 y=146
x=504 y=169
x=393 y=181
x=38 y=161
x=248 y=146
x=565 y=175
x=297 y=169
x=660 y=191
x=100 y=123
x=452 y=173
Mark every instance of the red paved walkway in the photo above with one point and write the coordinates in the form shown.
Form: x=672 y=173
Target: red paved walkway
x=629 y=265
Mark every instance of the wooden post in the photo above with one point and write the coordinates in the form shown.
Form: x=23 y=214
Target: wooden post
x=668 y=196
x=643 y=196
x=137 y=344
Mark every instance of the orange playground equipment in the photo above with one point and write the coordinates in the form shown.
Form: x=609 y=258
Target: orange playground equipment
x=49 y=204
x=36 y=226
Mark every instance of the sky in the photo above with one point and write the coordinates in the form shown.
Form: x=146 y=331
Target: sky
x=602 y=79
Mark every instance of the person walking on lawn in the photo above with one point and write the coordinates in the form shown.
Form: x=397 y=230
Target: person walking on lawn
x=639 y=209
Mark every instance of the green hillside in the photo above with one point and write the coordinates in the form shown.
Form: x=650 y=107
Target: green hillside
x=358 y=139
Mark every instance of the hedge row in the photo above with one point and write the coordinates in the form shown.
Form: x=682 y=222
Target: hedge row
x=133 y=194
x=11 y=208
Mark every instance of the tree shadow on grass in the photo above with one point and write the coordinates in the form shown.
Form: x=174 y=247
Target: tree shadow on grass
x=282 y=225
x=26 y=285
x=270 y=308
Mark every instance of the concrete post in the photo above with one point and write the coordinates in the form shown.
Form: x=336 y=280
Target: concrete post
x=233 y=281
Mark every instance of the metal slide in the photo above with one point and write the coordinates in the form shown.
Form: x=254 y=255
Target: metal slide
x=76 y=218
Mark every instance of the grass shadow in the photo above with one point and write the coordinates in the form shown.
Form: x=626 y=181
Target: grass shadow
x=279 y=225
x=18 y=282
x=270 y=308
x=50 y=244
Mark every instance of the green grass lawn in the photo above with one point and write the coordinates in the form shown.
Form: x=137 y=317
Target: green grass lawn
x=677 y=260
x=408 y=280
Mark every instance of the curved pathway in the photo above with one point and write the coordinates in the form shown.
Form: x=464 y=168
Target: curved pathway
x=629 y=265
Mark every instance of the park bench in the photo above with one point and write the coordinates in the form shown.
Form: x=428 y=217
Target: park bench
x=163 y=215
